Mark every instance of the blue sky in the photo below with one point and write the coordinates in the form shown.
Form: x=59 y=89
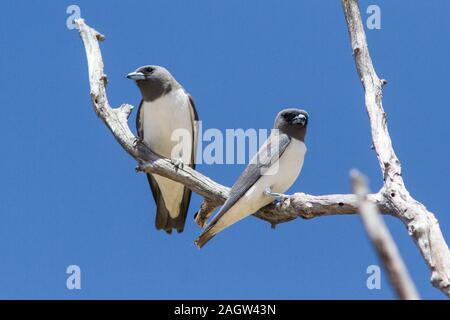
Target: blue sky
x=69 y=193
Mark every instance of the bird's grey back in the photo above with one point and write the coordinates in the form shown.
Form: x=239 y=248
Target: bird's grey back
x=270 y=153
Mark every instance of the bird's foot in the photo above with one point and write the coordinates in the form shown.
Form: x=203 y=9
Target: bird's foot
x=279 y=197
x=177 y=163
x=281 y=200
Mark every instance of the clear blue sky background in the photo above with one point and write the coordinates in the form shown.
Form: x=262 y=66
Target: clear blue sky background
x=69 y=193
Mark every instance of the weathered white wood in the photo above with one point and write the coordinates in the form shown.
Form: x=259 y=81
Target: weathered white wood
x=382 y=240
x=298 y=205
x=392 y=199
x=421 y=223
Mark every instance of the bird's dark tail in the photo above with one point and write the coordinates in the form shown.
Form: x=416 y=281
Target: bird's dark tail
x=163 y=219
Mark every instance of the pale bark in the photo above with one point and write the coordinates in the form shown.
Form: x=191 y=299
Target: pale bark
x=382 y=240
x=422 y=225
x=297 y=205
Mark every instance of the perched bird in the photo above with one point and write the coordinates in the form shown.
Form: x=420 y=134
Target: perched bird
x=166 y=108
x=271 y=172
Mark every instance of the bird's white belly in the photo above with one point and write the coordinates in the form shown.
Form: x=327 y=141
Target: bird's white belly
x=279 y=178
x=167 y=122
x=282 y=176
x=168 y=131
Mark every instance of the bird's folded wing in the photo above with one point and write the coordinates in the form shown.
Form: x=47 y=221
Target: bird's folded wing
x=194 y=121
x=140 y=131
x=269 y=153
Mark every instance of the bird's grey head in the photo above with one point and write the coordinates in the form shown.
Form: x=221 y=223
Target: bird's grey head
x=153 y=81
x=293 y=122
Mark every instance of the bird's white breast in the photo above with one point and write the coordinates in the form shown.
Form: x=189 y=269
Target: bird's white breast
x=162 y=121
x=164 y=116
x=282 y=175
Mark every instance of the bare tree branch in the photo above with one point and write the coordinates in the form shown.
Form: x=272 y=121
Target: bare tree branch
x=422 y=224
x=297 y=205
x=382 y=240
x=393 y=198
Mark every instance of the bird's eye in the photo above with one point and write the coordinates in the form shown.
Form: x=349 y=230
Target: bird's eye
x=149 y=70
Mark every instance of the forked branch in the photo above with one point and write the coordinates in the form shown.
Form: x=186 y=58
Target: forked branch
x=421 y=223
x=392 y=199
x=298 y=205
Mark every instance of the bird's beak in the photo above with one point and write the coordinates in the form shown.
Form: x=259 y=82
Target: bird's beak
x=136 y=76
x=300 y=119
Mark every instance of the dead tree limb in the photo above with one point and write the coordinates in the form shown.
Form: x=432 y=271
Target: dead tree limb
x=298 y=205
x=422 y=224
x=382 y=240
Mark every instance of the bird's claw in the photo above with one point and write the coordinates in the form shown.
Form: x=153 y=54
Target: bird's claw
x=279 y=197
x=280 y=200
x=268 y=192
